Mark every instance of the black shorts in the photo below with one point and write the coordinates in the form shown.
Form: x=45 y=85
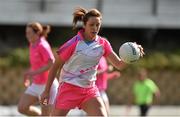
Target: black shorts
x=144 y=109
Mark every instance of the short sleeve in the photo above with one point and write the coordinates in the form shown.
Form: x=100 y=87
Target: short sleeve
x=46 y=52
x=107 y=47
x=67 y=49
x=152 y=86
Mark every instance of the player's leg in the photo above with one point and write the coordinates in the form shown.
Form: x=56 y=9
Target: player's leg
x=94 y=107
x=144 y=109
x=25 y=105
x=105 y=100
x=46 y=109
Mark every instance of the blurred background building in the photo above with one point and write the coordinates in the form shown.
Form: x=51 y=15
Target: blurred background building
x=116 y=13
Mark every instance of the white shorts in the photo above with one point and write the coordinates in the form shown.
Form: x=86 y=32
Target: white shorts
x=36 y=90
x=104 y=96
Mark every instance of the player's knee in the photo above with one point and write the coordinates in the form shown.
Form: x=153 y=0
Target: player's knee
x=46 y=110
x=22 y=109
x=97 y=112
x=100 y=112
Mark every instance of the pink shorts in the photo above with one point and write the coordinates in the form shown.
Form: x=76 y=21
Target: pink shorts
x=70 y=96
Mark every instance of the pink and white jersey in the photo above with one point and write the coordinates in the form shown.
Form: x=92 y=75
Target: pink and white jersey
x=40 y=53
x=82 y=59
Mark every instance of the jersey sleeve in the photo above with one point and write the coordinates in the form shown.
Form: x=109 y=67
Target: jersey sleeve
x=46 y=53
x=153 y=86
x=67 y=49
x=107 y=48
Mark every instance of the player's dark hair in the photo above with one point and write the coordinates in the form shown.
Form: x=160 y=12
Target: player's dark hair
x=82 y=15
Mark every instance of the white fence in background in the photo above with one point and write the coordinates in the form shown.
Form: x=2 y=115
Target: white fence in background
x=116 y=13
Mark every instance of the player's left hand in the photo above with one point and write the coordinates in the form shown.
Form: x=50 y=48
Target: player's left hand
x=141 y=50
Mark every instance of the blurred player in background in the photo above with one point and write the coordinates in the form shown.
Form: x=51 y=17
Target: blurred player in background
x=144 y=90
x=41 y=59
x=105 y=73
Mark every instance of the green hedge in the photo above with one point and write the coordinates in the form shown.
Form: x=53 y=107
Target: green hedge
x=160 y=60
x=15 y=58
x=153 y=60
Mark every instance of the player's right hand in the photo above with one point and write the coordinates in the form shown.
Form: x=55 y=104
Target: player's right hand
x=116 y=74
x=27 y=81
x=44 y=98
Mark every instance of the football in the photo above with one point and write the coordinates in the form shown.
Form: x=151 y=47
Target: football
x=129 y=52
